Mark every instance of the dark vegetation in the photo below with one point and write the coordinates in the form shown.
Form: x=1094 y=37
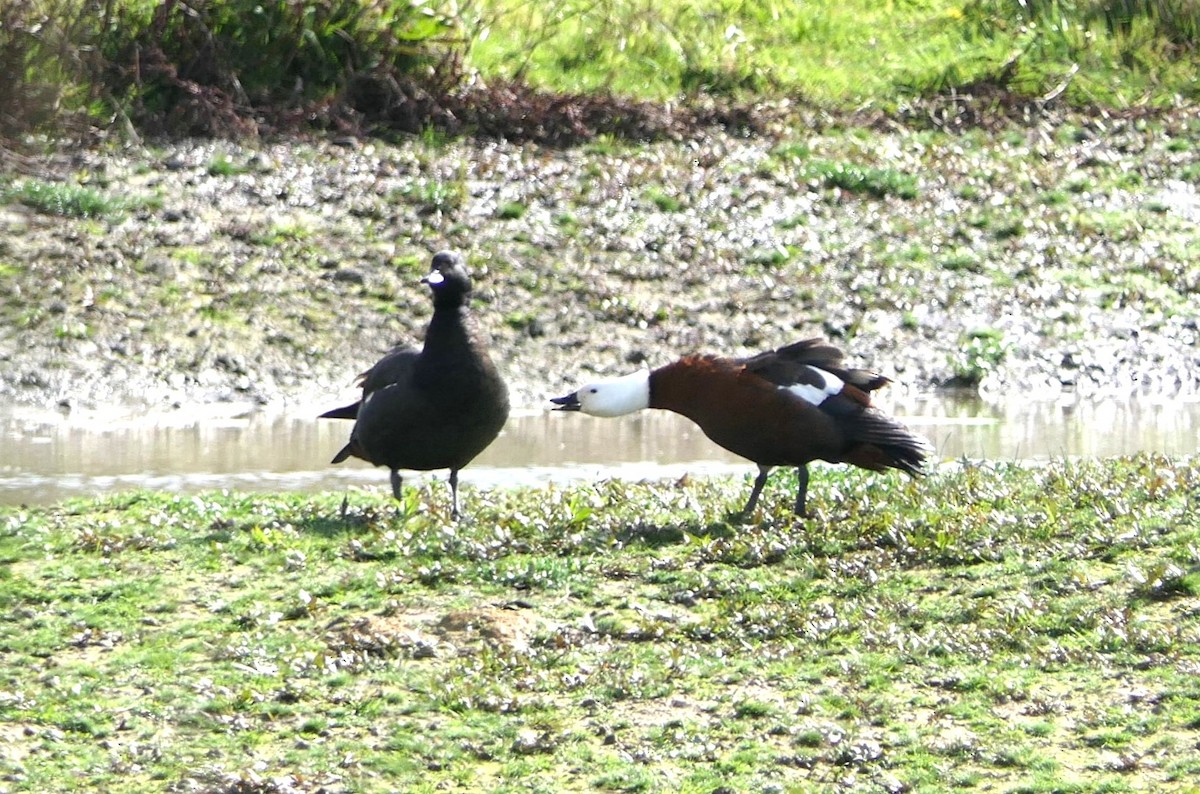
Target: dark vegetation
x=244 y=68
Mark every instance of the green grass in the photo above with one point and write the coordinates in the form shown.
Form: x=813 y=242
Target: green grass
x=222 y=165
x=818 y=50
x=843 y=54
x=433 y=197
x=665 y=201
x=72 y=201
x=1023 y=628
x=282 y=233
x=511 y=211
x=874 y=182
x=348 y=60
x=980 y=352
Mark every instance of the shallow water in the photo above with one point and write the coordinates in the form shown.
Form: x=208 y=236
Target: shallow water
x=46 y=456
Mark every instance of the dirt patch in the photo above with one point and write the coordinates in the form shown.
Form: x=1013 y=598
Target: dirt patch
x=423 y=634
x=15 y=742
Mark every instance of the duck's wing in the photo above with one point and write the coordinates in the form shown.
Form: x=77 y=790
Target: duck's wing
x=793 y=364
x=813 y=371
x=395 y=367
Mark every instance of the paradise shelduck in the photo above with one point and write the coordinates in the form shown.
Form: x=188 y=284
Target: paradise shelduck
x=433 y=408
x=785 y=407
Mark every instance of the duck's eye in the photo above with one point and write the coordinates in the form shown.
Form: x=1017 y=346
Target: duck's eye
x=592 y=391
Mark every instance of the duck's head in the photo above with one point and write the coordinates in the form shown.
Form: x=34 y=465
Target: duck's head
x=612 y=397
x=448 y=278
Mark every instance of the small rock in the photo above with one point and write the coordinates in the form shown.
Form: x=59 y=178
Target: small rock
x=529 y=742
x=161 y=265
x=348 y=276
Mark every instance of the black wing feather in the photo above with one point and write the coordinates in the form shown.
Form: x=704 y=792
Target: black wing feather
x=788 y=365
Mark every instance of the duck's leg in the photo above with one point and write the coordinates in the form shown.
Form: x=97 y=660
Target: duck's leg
x=802 y=491
x=454 y=494
x=397 y=481
x=759 y=482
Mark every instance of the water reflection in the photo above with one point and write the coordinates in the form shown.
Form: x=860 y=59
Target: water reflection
x=45 y=456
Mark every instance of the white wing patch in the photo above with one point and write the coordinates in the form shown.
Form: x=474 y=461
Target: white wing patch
x=828 y=385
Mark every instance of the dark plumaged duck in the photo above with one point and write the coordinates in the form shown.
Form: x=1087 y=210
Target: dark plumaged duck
x=433 y=408
x=786 y=407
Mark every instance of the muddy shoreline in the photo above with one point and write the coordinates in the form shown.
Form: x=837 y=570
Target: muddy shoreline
x=1032 y=260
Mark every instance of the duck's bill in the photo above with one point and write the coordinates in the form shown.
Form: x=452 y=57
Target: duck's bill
x=434 y=278
x=568 y=403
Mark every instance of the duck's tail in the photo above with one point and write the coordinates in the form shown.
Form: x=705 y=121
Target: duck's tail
x=345 y=412
x=350 y=450
x=880 y=442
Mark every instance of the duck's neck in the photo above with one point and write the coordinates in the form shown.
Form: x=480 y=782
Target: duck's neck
x=448 y=330
x=684 y=387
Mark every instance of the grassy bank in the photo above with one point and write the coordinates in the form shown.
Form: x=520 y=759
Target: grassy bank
x=848 y=53
x=1025 y=629
x=240 y=67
